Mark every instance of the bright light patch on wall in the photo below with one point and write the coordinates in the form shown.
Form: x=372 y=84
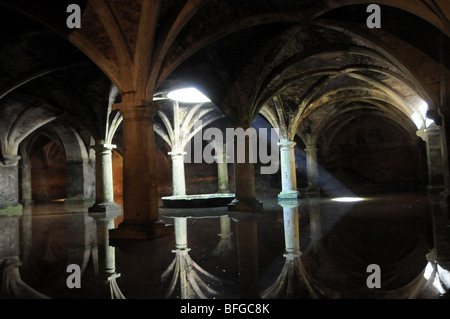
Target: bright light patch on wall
x=417 y=119
x=428 y=122
x=188 y=95
x=423 y=108
x=347 y=199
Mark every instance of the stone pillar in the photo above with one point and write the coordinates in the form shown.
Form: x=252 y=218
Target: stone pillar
x=178 y=176
x=432 y=138
x=288 y=174
x=9 y=190
x=312 y=169
x=80 y=178
x=140 y=192
x=26 y=188
x=244 y=179
x=222 y=171
x=104 y=186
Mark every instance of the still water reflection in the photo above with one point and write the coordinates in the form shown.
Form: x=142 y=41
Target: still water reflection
x=313 y=248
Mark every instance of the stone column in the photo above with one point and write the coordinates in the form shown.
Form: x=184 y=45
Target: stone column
x=222 y=171
x=80 y=178
x=244 y=180
x=140 y=192
x=312 y=168
x=26 y=188
x=104 y=186
x=9 y=190
x=288 y=174
x=432 y=138
x=178 y=176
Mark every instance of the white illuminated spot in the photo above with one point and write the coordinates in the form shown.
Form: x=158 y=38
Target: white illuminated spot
x=423 y=108
x=188 y=95
x=430 y=273
x=428 y=122
x=417 y=119
x=348 y=199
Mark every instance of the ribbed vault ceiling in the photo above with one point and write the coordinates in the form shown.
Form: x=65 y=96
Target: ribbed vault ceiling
x=317 y=61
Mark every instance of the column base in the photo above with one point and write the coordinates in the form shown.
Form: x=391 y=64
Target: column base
x=247 y=206
x=288 y=195
x=105 y=211
x=75 y=203
x=140 y=231
x=27 y=202
x=289 y=203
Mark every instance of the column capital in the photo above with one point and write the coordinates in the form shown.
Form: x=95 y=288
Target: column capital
x=136 y=109
x=103 y=147
x=310 y=148
x=10 y=159
x=286 y=144
x=177 y=153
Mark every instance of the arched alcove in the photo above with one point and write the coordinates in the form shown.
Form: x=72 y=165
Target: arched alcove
x=374 y=153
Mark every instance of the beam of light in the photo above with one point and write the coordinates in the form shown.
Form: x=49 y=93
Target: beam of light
x=347 y=199
x=188 y=95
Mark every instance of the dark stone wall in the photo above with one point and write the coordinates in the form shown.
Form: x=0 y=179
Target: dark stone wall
x=373 y=153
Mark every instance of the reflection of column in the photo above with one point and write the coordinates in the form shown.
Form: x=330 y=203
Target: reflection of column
x=26 y=235
x=140 y=192
x=312 y=170
x=178 y=176
x=106 y=256
x=315 y=224
x=12 y=285
x=292 y=281
x=185 y=274
x=247 y=244
x=291 y=230
x=288 y=173
x=225 y=244
x=222 y=170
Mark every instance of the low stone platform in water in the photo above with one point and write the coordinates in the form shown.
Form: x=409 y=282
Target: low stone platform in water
x=198 y=200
